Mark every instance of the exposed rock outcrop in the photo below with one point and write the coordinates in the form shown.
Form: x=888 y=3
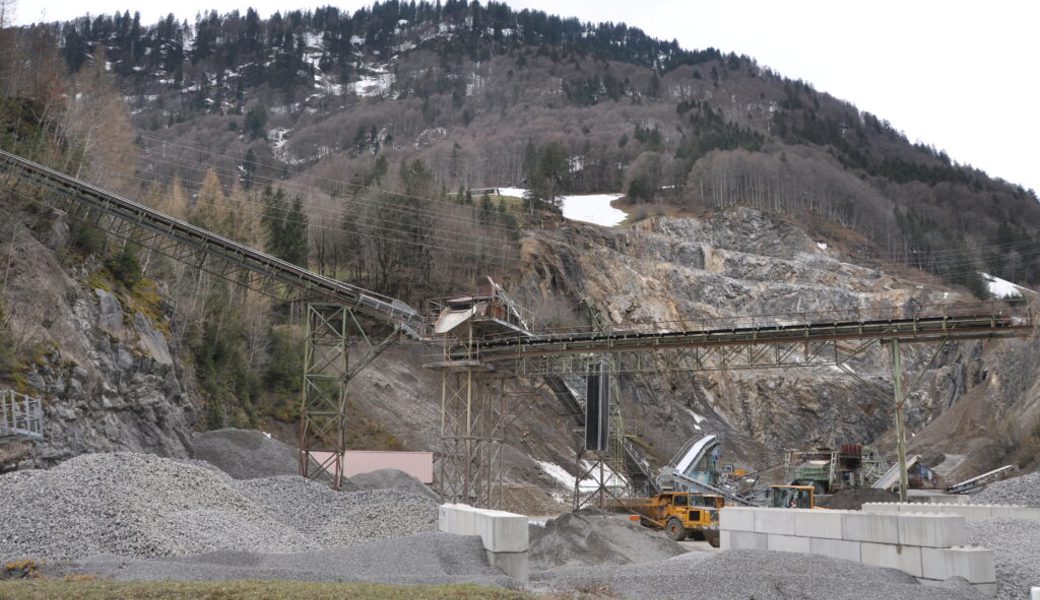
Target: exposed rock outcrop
x=104 y=372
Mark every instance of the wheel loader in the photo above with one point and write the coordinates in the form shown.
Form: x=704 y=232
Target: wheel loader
x=682 y=515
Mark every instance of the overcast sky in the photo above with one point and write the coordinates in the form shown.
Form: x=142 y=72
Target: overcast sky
x=959 y=75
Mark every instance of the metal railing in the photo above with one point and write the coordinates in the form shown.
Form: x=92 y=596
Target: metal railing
x=21 y=416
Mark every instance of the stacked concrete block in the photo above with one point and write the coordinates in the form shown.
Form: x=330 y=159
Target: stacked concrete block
x=504 y=534
x=970 y=512
x=893 y=556
x=937 y=498
x=970 y=562
x=929 y=546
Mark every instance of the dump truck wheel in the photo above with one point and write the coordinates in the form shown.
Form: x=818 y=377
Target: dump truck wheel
x=675 y=530
x=712 y=535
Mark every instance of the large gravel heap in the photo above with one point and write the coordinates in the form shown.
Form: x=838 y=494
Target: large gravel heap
x=586 y=539
x=1024 y=490
x=138 y=505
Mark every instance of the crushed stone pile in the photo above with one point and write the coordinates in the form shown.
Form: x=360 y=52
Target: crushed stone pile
x=341 y=518
x=138 y=505
x=1016 y=547
x=744 y=574
x=853 y=498
x=585 y=538
x=1024 y=490
x=244 y=453
x=393 y=479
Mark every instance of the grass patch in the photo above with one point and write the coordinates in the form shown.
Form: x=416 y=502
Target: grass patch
x=242 y=590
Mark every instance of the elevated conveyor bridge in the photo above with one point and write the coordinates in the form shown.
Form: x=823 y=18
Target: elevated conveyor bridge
x=333 y=307
x=496 y=343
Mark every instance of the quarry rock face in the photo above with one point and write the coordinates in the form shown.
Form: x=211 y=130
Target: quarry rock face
x=697 y=272
x=105 y=373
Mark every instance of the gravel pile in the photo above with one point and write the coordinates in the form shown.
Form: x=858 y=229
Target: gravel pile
x=1016 y=545
x=1024 y=490
x=585 y=539
x=393 y=479
x=138 y=505
x=745 y=574
x=341 y=518
x=426 y=558
x=244 y=453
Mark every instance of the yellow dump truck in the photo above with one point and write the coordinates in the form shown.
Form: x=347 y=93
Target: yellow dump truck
x=682 y=515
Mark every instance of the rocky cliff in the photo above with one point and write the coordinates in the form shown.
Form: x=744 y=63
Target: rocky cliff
x=743 y=262
x=100 y=359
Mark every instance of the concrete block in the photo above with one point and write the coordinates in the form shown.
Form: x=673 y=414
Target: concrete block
x=502 y=531
x=1015 y=512
x=974 y=512
x=870 y=527
x=737 y=518
x=893 y=556
x=459 y=519
x=774 y=520
x=725 y=539
x=881 y=507
x=842 y=549
x=932 y=530
x=970 y=562
x=787 y=543
x=513 y=564
x=745 y=540
x=818 y=523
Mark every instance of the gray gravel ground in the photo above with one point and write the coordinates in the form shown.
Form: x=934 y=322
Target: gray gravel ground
x=1016 y=544
x=431 y=558
x=138 y=505
x=1024 y=490
x=746 y=574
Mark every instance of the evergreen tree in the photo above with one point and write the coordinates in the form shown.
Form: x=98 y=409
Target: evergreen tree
x=286 y=227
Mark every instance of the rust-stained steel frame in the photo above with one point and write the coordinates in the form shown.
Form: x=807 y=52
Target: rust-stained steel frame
x=327 y=370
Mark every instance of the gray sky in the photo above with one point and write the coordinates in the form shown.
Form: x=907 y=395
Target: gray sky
x=958 y=75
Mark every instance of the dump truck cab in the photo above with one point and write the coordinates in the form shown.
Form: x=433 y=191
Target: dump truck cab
x=683 y=514
x=792 y=496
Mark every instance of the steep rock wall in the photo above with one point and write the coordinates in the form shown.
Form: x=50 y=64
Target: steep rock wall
x=105 y=371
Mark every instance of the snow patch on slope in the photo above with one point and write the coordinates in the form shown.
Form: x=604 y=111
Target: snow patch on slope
x=1002 y=288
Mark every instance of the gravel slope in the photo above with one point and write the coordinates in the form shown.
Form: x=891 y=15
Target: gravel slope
x=589 y=539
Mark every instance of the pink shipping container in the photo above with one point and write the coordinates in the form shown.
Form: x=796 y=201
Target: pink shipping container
x=416 y=464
